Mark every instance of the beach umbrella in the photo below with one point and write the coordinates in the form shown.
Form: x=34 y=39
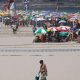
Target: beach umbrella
x=72 y=19
x=63 y=29
x=52 y=29
x=62 y=21
x=57 y=29
x=40 y=19
x=3 y=14
x=40 y=31
x=77 y=31
x=62 y=34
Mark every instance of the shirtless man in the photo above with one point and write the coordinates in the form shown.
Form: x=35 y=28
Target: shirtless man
x=43 y=70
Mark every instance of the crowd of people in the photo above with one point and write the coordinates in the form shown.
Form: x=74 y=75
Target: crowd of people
x=52 y=36
x=58 y=27
x=72 y=25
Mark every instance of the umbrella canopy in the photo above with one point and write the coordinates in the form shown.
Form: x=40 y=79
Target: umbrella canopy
x=77 y=31
x=63 y=28
x=52 y=29
x=40 y=31
x=40 y=19
x=63 y=34
x=62 y=21
x=72 y=19
x=3 y=14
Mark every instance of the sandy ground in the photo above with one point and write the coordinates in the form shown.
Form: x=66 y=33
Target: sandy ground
x=26 y=67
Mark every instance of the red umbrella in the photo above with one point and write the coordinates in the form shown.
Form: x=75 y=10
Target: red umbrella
x=62 y=29
x=52 y=29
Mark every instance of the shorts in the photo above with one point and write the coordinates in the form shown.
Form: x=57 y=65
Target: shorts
x=43 y=77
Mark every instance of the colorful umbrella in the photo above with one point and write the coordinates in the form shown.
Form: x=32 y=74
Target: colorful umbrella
x=63 y=33
x=3 y=14
x=62 y=21
x=63 y=29
x=40 y=31
x=72 y=19
x=52 y=29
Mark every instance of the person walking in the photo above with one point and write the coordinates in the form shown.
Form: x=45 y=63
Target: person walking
x=12 y=8
x=43 y=70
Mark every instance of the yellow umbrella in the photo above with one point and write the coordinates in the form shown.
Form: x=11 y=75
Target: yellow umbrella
x=3 y=14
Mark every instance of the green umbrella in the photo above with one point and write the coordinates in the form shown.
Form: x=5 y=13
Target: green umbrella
x=40 y=31
x=63 y=33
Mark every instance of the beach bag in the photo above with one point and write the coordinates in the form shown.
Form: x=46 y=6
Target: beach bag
x=37 y=77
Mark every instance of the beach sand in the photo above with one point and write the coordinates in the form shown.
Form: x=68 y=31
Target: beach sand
x=26 y=67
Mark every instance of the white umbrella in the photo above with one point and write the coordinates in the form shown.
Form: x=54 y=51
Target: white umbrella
x=72 y=19
x=52 y=29
x=62 y=21
x=40 y=19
